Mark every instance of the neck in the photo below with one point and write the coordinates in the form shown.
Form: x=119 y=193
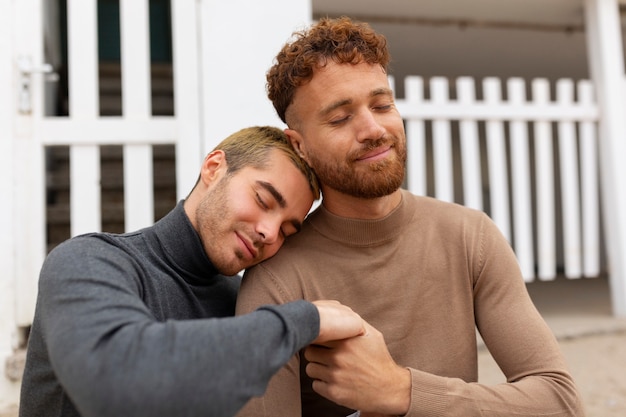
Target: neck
x=344 y=205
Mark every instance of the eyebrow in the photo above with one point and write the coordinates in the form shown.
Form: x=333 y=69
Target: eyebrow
x=381 y=91
x=340 y=103
x=281 y=201
x=335 y=105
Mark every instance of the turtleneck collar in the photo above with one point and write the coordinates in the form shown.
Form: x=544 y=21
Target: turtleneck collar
x=182 y=245
x=357 y=232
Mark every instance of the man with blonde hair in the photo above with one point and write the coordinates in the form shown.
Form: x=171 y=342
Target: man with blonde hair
x=140 y=324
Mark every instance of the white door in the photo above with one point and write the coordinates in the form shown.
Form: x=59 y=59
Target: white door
x=35 y=127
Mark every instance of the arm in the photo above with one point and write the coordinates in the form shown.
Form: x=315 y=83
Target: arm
x=282 y=397
x=113 y=357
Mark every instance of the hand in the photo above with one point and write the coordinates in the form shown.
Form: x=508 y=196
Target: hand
x=337 y=321
x=359 y=373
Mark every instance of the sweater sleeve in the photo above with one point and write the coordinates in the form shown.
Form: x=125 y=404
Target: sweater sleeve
x=538 y=381
x=113 y=358
x=282 y=397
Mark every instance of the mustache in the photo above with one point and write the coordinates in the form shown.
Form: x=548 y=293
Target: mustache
x=372 y=144
x=377 y=143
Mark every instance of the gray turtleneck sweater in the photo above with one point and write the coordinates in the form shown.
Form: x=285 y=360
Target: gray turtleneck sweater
x=141 y=324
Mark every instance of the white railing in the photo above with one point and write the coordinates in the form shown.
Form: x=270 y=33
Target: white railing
x=530 y=163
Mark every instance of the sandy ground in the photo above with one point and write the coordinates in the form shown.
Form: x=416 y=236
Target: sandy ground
x=592 y=340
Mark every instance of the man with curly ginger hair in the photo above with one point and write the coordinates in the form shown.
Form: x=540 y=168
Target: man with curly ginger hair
x=424 y=274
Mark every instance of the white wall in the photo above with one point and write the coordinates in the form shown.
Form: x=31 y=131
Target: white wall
x=484 y=52
x=241 y=38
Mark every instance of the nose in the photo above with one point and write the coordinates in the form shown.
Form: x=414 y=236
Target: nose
x=369 y=127
x=269 y=230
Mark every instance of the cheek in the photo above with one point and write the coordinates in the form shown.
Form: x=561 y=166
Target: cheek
x=244 y=209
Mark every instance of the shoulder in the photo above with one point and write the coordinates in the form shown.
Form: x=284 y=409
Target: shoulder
x=442 y=213
x=82 y=247
x=90 y=257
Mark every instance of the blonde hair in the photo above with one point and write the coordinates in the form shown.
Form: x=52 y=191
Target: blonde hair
x=252 y=146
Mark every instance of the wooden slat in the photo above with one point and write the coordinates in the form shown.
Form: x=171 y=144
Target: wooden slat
x=83 y=105
x=470 y=147
x=505 y=111
x=189 y=153
x=138 y=177
x=520 y=181
x=544 y=175
x=82 y=41
x=416 y=139
x=570 y=195
x=85 y=196
x=138 y=187
x=589 y=188
x=161 y=130
x=135 y=49
x=497 y=161
x=442 y=144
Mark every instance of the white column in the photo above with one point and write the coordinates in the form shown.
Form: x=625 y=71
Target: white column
x=606 y=62
x=21 y=177
x=7 y=241
x=28 y=221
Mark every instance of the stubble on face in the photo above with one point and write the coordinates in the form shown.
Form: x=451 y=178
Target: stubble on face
x=213 y=215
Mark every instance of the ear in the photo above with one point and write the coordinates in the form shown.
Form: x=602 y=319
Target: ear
x=213 y=168
x=297 y=143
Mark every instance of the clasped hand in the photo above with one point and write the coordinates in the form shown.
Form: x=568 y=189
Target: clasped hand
x=359 y=373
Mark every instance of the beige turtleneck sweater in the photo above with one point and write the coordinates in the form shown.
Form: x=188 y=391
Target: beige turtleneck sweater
x=427 y=276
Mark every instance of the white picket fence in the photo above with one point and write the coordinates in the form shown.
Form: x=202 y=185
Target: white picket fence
x=529 y=162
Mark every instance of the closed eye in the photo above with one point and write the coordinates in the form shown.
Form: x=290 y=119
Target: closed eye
x=261 y=202
x=383 y=107
x=339 y=121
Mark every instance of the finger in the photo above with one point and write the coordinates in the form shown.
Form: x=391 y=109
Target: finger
x=331 y=392
x=316 y=353
x=317 y=371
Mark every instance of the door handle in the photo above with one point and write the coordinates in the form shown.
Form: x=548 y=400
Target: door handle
x=27 y=69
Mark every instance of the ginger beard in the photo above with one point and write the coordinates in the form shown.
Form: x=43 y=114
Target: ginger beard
x=362 y=179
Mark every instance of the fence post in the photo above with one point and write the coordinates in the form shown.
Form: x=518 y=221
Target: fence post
x=606 y=61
